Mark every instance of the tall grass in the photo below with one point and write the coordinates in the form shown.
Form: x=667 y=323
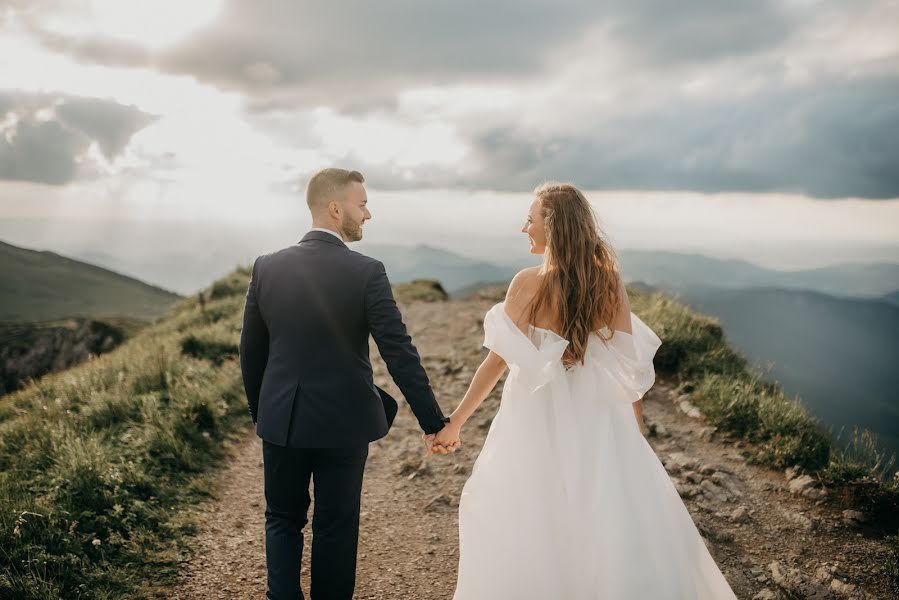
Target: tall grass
x=739 y=401
x=98 y=463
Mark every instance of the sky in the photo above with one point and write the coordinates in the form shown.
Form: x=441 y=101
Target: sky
x=764 y=130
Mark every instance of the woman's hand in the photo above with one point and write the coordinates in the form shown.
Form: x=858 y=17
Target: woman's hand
x=447 y=440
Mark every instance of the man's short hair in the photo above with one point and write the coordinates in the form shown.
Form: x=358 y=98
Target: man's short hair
x=328 y=183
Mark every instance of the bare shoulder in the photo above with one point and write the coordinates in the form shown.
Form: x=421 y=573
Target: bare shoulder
x=521 y=293
x=523 y=285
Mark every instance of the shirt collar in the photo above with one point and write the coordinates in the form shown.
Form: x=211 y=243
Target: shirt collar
x=331 y=231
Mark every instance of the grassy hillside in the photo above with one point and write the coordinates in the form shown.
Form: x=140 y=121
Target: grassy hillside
x=40 y=286
x=98 y=463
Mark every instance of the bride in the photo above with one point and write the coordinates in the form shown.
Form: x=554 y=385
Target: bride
x=567 y=500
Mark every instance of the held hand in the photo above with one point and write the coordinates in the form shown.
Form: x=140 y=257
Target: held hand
x=432 y=446
x=446 y=441
x=429 y=443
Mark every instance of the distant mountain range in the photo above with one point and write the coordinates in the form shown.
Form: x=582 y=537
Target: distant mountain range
x=187 y=273
x=831 y=333
x=40 y=285
x=674 y=270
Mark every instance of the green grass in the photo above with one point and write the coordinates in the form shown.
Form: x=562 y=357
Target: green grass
x=738 y=401
x=98 y=463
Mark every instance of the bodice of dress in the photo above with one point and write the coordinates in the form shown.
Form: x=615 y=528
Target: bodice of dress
x=536 y=359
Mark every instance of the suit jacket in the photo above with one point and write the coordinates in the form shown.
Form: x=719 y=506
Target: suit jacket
x=310 y=309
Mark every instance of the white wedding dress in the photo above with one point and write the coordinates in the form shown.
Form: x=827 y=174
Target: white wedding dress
x=567 y=500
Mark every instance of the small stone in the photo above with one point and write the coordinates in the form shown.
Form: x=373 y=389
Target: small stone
x=707 y=469
x=685 y=490
x=693 y=477
x=688 y=409
x=678 y=461
x=739 y=514
x=854 y=517
x=714 y=534
x=806 y=485
x=842 y=588
x=713 y=491
x=824 y=573
x=800 y=520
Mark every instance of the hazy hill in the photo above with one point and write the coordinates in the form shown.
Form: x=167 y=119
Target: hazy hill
x=673 y=270
x=40 y=285
x=186 y=270
x=405 y=263
x=838 y=354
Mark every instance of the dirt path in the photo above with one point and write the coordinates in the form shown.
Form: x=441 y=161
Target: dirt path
x=767 y=540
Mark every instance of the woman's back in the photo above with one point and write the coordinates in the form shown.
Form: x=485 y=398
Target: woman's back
x=522 y=295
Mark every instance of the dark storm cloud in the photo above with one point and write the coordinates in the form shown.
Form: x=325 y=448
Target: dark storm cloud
x=833 y=141
x=109 y=123
x=48 y=135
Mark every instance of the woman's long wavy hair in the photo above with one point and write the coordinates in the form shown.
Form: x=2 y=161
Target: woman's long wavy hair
x=580 y=270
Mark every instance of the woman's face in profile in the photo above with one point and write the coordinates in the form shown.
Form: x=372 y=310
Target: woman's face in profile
x=535 y=229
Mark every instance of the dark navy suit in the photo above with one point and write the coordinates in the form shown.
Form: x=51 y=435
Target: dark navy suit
x=310 y=309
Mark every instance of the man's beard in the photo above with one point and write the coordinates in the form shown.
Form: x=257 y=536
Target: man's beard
x=352 y=231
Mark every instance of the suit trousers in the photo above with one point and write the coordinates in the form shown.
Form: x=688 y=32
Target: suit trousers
x=336 y=475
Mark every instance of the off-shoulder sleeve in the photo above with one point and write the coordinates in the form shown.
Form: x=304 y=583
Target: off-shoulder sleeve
x=630 y=356
x=531 y=365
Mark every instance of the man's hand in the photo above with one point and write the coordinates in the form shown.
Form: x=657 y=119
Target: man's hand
x=445 y=441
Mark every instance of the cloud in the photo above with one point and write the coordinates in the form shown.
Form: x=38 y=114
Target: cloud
x=745 y=95
x=832 y=141
x=316 y=52
x=46 y=138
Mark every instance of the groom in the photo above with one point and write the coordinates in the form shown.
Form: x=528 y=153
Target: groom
x=304 y=358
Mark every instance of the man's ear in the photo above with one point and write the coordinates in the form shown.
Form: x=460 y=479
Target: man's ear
x=334 y=208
